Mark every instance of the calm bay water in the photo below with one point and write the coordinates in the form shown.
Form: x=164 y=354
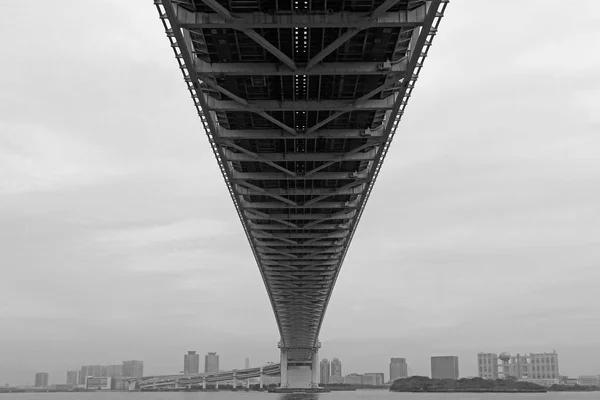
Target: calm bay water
x=358 y=395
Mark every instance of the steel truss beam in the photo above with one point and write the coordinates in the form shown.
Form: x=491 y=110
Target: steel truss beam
x=274 y=176
x=242 y=21
x=372 y=134
x=307 y=157
x=203 y=68
x=300 y=105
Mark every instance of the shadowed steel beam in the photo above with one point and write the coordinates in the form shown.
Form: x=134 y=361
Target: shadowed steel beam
x=319 y=217
x=281 y=134
x=272 y=69
x=290 y=157
x=272 y=227
x=343 y=157
x=350 y=189
x=258 y=158
x=379 y=11
x=275 y=176
x=273 y=205
x=267 y=193
x=356 y=105
x=252 y=34
x=399 y=19
x=304 y=105
x=332 y=47
x=254 y=214
x=245 y=103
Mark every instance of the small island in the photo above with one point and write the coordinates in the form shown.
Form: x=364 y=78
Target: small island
x=474 y=385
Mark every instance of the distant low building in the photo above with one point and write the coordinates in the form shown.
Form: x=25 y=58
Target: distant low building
x=62 y=386
x=119 y=384
x=589 y=380
x=98 y=383
x=379 y=377
x=353 y=379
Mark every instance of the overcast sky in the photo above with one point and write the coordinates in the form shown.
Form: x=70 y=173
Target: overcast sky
x=118 y=239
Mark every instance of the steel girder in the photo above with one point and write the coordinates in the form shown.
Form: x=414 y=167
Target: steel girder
x=300 y=170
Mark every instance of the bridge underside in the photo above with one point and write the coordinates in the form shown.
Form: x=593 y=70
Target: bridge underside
x=300 y=100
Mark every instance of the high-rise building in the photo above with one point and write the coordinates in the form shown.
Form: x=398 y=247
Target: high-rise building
x=325 y=371
x=191 y=363
x=96 y=370
x=41 y=379
x=72 y=377
x=133 y=369
x=398 y=368
x=247 y=363
x=83 y=373
x=336 y=371
x=211 y=362
x=487 y=365
x=444 y=367
x=114 y=371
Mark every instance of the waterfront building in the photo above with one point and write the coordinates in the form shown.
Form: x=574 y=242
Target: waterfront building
x=72 y=376
x=540 y=368
x=444 y=367
x=487 y=365
x=378 y=378
x=211 y=362
x=191 y=363
x=325 y=371
x=589 y=380
x=98 y=383
x=398 y=368
x=353 y=379
x=133 y=369
x=41 y=379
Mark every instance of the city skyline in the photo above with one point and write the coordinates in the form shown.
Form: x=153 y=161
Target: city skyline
x=395 y=363
x=120 y=240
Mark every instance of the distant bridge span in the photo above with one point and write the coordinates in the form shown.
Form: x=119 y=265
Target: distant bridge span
x=187 y=380
x=300 y=100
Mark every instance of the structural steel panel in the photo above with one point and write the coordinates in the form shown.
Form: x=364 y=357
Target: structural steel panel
x=300 y=188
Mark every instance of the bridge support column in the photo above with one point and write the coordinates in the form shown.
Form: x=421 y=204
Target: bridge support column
x=234 y=380
x=284 y=368
x=217 y=385
x=315 y=369
x=260 y=378
x=204 y=383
